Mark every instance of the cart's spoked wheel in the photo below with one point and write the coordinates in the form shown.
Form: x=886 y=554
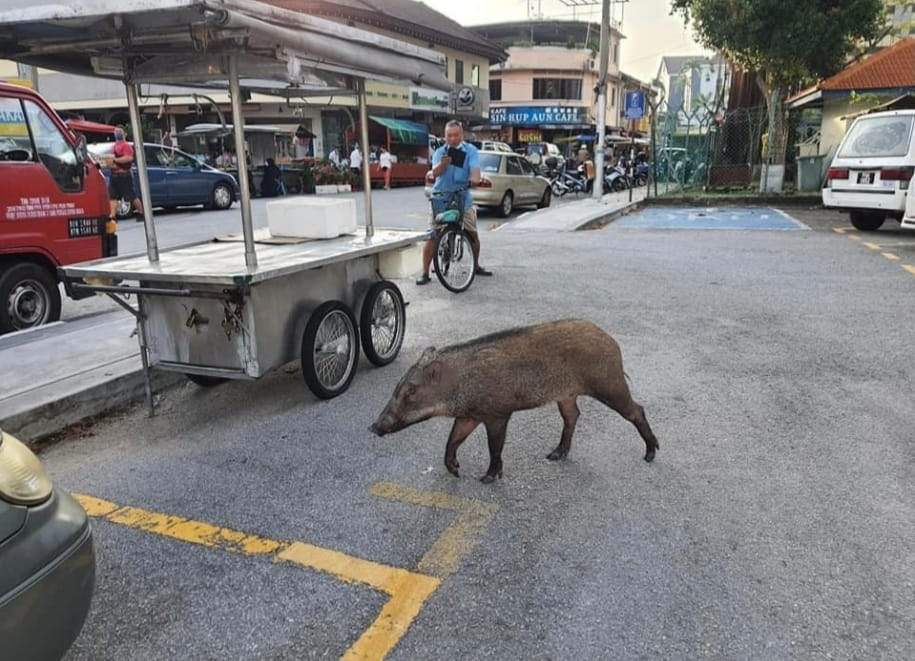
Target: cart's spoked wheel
x=382 y=322
x=330 y=350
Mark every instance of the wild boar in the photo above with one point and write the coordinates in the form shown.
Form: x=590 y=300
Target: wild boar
x=487 y=379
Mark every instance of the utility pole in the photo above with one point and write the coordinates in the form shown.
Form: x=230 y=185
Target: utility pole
x=598 y=186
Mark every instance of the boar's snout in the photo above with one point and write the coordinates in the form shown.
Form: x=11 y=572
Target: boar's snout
x=376 y=429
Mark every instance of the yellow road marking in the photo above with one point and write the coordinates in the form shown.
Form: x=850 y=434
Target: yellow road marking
x=444 y=557
x=407 y=590
x=872 y=246
x=838 y=230
x=890 y=255
x=854 y=236
x=909 y=268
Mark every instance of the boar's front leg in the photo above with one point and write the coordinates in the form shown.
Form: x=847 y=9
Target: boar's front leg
x=568 y=409
x=462 y=428
x=495 y=434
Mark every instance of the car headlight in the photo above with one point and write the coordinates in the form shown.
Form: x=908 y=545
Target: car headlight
x=23 y=480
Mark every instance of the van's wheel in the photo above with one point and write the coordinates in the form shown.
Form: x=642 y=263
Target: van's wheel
x=382 y=322
x=867 y=221
x=330 y=350
x=546 y=199
x=29 y=297
x=506 y=205
x=205 y=381
x=222 y=197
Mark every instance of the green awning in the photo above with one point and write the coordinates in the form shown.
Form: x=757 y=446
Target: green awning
x=403 y=131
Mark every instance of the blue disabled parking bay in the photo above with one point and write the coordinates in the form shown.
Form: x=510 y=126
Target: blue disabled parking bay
x=715 y=218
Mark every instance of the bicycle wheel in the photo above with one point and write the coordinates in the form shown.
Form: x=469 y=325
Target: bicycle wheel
x=455 y=263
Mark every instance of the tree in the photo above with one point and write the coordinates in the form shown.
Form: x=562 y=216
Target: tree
x=786 y=43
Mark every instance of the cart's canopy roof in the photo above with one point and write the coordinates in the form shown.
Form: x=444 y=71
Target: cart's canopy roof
x=188 y=42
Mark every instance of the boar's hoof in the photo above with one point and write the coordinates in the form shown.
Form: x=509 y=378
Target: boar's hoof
x=489 y=478
x=453 y=468
x=557 y=455
x=649 y=455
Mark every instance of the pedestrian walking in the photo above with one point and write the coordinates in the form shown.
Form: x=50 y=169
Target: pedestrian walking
x=384 y=161
x=120 y=185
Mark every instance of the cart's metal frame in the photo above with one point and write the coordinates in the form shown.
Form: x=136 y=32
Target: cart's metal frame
x=263 y=305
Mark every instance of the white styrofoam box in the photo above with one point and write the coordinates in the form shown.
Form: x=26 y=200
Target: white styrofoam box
x=325 y=189
x=403 y=263
x=311 y=217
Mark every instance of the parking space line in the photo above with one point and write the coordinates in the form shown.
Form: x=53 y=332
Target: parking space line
x=909 y=268
x=444 y=557
x=890 y=256
x=854 y=236
x=838 y=230
x=872 y=246
x=407 y=590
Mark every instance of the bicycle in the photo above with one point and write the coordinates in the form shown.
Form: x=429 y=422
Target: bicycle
x=453 y=257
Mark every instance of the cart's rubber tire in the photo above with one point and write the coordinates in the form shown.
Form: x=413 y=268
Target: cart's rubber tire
x=546 y=199
x=340 y=314
x=29 y=297
x=205 y=381
x=441 y=272
x=506 y=205
x=866 y=221
x=388 y=291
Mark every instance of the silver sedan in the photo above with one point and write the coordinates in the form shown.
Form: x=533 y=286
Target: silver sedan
x=508 y=181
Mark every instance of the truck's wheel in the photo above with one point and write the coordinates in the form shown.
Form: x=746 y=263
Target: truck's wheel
x=29 y=297
x=867 y=221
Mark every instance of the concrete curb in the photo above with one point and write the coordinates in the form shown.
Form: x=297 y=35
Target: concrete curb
x=610 y=216
x=54 y=416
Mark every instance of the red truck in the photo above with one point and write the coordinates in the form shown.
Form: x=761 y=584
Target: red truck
x=53 y=208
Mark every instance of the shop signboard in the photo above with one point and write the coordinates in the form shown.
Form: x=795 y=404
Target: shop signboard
x=530 y=135
x=538 y=115
x=423 y=98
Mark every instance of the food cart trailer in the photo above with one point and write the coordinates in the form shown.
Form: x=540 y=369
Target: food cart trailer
x=239 y=307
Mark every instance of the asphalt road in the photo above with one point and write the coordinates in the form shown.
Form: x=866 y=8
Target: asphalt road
x=400 y=207
x=777 y=521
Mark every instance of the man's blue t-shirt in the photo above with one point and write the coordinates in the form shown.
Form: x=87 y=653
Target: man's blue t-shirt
x=454 y=178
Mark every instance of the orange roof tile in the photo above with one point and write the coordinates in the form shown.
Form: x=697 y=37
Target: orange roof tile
x=887 y=69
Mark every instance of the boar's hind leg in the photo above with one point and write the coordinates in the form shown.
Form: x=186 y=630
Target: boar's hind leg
x=495 y=434
x=568 y=409
x=462 y=428
x=634 y=413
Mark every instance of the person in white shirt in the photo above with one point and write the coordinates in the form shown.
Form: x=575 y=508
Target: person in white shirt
x=334 y=157
x=384 y=161
x=355 y=160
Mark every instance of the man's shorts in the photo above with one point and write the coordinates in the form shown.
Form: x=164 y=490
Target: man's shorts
x=120 y=187
x=470 y=220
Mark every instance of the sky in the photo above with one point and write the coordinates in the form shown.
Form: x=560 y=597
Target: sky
x=649 y=28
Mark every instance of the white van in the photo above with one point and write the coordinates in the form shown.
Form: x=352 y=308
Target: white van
x=871 y=174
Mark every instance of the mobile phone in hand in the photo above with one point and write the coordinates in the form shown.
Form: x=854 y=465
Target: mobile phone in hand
x=457 y=157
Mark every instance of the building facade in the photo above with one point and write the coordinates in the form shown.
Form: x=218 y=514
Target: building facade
x=692 y=87
x=546 y=90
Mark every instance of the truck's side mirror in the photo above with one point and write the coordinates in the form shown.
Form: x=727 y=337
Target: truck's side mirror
x=82 y=150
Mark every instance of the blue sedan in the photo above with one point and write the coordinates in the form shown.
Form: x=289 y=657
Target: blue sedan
x=176 y=179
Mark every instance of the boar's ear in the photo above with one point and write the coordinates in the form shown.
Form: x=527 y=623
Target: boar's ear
x=432 y=373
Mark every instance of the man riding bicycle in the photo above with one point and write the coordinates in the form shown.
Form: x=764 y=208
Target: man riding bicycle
x=451 y=177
